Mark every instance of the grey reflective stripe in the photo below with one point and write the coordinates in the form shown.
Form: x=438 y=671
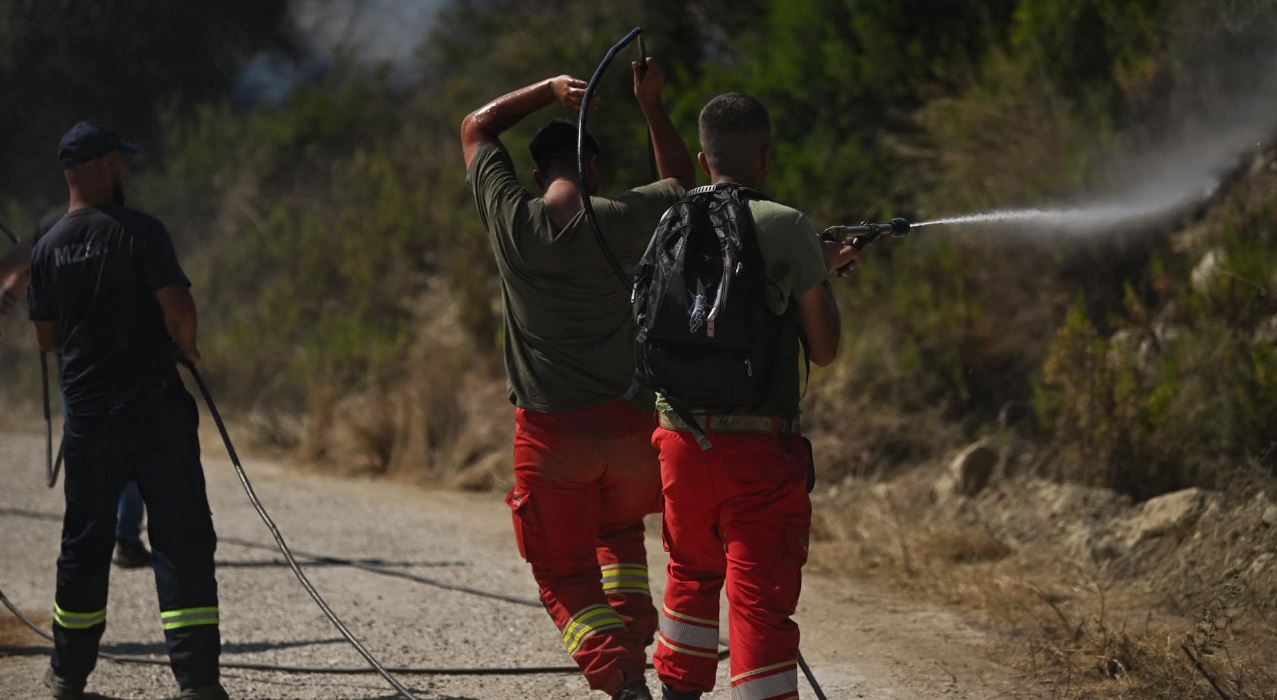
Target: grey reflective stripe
x=778 y=685
x=689 y=635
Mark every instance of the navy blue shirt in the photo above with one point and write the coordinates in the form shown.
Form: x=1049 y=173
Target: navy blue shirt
x=96 y=272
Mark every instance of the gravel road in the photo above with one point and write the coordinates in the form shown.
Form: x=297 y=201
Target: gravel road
x=861 y=644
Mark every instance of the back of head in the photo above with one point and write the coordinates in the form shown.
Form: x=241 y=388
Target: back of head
x=735 y=131
x=554 y=147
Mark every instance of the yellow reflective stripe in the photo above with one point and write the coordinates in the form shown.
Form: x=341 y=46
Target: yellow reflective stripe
x=189 y=617
x=587 y=622
x=765 y=669
x=77 y=620
x=625 y=578
x=623 y=567
x=689 y=618
x=684 y=650
x=621 y=587
x=166 y=614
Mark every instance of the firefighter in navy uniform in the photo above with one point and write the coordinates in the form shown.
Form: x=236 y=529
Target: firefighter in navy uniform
x=107 y=292
x=130 y=553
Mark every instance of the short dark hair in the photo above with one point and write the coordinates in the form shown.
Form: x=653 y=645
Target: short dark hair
x=733 y=127
x=554 y=146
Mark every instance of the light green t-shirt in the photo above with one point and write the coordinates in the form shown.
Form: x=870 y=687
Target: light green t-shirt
x=569 y=329
x=791 y=252
x=792 y=257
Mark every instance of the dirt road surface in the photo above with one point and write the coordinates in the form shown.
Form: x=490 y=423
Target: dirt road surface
x=861 y=644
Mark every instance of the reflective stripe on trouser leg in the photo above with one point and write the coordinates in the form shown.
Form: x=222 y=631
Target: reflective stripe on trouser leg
x=775 y=682
x=587 y=623
x=188 y=617
x=625 y=579
x=685 y=634
x=77 y=620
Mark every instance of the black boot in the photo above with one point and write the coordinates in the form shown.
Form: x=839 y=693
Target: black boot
x=634 y=691
x=62 y=690
x=131 y=554
x=668 y=693
x=204 y=692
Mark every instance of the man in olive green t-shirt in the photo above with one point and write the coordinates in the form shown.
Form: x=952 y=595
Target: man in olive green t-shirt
x=585 y=470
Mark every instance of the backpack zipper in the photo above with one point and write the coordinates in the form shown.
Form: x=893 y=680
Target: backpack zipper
x=749 y=367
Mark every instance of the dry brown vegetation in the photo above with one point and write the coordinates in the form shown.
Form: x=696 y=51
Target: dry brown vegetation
x=1081 y=599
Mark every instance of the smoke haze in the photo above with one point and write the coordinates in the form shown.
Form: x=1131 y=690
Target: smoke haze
x=1164 y=183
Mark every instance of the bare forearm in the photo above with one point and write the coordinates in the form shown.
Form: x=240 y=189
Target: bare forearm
x=47 y=336
x=487 y=123
x=672 y=157
x=181 y=320
x=183 y=330
x=818 y=315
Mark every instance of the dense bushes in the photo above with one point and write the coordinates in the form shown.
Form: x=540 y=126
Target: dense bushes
x=328 y=236
x=1182 y=385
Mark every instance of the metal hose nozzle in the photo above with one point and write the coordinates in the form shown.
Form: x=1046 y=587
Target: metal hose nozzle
x=862 y=235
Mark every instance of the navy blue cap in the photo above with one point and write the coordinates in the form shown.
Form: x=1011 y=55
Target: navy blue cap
x=88 y=141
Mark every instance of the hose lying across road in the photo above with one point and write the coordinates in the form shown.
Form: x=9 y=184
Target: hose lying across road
x=283 y=546
x=373 y=664
x=335 y=670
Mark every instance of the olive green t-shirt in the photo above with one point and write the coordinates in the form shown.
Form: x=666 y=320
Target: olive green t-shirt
x=793 y=260
x=569 y=331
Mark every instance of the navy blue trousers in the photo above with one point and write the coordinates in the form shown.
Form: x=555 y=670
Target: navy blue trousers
x=155 y=443
x=128 y=519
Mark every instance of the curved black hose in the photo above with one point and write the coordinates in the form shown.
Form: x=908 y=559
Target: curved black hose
x=284 y=668
x=283 y=546
x=9 y=234
x=51 y=466
x=580 y=155
x=811 y=677
x=392 y=573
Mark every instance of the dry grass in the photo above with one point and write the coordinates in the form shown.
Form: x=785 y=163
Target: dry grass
x=1080 y=629
x=15 y=634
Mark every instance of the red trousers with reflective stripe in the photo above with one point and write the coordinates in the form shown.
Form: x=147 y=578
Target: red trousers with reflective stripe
x=583 y=482
x=737 y=515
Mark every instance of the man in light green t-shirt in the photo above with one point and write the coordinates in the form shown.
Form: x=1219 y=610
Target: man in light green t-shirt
x=585 y=470
x=738 y=515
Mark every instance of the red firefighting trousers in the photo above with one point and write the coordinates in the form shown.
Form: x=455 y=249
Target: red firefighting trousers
x=737 y=514
x=583 y=482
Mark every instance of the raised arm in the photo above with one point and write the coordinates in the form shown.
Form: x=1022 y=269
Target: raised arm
x=486 y=124
x=672 y=157
x=180 y=319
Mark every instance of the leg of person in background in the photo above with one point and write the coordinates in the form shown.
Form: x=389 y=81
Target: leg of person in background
x=130 y=553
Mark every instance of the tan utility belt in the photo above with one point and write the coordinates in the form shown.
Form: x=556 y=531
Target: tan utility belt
x=753 y=425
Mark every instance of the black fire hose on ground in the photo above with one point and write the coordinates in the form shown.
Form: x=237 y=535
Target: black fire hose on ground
x=626 y=283
x=323 y=670
x=283 y=546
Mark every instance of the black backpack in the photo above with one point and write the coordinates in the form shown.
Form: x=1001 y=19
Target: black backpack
x=707 y=340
